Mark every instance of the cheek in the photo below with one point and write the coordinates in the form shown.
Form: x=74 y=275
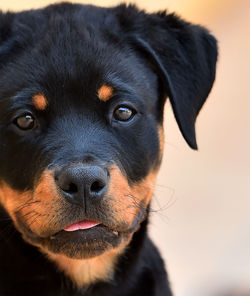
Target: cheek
x=47 y=202
x=129 y=203
x=34 y=208
x=14 y=202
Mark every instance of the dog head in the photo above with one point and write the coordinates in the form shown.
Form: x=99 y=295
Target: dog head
x=81 y=109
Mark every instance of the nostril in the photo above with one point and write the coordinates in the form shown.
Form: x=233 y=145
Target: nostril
x=70 y=188
x=97 y=186
x=78 y=183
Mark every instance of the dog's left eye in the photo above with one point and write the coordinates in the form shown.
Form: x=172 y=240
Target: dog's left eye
x=123 y=113
x=25 y=122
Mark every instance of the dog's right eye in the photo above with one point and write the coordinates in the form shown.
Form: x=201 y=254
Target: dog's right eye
x=25 y=122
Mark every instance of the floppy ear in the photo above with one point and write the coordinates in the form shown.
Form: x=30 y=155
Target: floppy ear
x=183 y=55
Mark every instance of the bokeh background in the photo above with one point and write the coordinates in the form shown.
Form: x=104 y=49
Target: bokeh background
x=201 y=206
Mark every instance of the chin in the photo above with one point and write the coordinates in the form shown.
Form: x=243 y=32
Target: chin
x=83 y=244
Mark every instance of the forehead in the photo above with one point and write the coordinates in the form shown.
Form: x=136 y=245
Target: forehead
x=75 y=52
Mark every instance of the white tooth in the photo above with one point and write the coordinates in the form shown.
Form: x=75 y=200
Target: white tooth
x=115 y=232
x=52 y=237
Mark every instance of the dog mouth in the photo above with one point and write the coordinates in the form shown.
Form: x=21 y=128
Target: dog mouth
x=81 y=227
x=78 y=240
x=83 y=239
x=85 y=229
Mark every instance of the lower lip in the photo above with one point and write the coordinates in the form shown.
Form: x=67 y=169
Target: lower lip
x=82 y=225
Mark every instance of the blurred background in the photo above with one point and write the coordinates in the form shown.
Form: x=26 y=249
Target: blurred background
x=201 y=206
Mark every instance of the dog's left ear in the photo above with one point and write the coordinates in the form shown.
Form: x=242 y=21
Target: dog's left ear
x=182 y=54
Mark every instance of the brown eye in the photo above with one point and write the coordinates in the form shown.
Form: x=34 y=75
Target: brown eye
x=25 y=122
x=123 y=113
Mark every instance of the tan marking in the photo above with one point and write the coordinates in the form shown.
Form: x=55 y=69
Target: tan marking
x=161 y=140
x=88 y=271
x=35 y=207
x=48 y=203
x=105 y=92
x=127 y=200
x=40 y=102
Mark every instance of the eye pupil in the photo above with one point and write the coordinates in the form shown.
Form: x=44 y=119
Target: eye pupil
x=25 y=122
x=123 y=113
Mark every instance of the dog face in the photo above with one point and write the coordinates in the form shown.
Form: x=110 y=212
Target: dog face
x=81 y=107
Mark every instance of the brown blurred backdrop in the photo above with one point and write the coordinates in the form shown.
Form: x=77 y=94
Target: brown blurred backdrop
x=201 y=219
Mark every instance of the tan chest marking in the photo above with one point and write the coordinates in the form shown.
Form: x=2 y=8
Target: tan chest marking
x=105 y=92
x=87 y=271
x=40 y=102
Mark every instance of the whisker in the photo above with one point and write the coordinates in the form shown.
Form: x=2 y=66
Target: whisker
x=27 y=204
x=29 y=213
x=36 y=217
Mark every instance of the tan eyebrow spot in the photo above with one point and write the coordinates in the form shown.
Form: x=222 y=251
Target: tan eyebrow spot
x=39 y=101
x=105 y=92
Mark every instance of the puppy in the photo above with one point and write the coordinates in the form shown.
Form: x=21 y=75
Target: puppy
x=82 y=94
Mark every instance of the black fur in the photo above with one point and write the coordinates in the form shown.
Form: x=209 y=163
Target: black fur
x=67 y=52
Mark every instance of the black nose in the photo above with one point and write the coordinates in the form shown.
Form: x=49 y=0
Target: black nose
x=82 y=182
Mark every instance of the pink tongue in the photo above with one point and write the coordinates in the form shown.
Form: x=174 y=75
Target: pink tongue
x=85 y=224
